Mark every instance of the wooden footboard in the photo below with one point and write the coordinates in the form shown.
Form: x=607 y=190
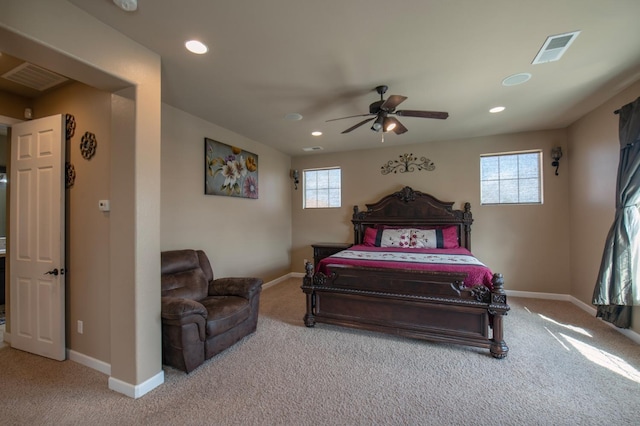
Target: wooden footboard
x=433 y=306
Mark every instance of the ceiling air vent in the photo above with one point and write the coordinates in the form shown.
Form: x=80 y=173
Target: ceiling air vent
x=313 y=148
x=34 y=77
x=554 y=47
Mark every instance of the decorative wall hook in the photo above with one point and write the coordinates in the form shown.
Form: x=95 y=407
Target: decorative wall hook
x=70 y=173
x=70 y=124
x=88 y=145
x=295 y=175
x=407 y=163
x=556 y=155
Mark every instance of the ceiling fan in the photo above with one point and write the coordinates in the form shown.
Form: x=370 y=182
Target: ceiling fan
x=382 y=110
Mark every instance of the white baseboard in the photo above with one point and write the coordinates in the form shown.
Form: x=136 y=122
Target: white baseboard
x=90 y=362
x=585 y=307
x=136 y=391
x=133 y=391
x=282 y=278
x=536 y=295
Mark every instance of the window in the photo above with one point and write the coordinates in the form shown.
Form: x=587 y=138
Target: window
x=512 y=178
x=322 y=188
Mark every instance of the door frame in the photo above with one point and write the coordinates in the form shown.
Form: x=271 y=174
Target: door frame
x=8 y=122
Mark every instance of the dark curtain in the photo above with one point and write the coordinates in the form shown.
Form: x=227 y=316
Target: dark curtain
x=617 y=288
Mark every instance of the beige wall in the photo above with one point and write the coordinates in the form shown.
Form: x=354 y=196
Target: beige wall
x=593 y=157
x=95 y=54
x=13 y=105
x=240 y=236
x=529 y=244
x=87 y=228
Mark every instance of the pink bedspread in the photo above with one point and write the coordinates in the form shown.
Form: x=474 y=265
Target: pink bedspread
x=443 y=260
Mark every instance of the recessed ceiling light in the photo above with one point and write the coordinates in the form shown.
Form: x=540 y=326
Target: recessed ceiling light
x=316 y=133
x=514 y=80
x=496 y=109
x=293 y=116
x=197 y=47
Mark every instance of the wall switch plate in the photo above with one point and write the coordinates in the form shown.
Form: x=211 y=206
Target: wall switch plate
x=104 y=205
x=80 y=327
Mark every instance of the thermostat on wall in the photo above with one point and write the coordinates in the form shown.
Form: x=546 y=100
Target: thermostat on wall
x=103 y=205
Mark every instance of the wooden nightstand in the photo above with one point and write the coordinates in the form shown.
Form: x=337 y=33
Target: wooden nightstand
x=322 y=250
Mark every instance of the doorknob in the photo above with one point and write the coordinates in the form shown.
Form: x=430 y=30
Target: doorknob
x=52 y=272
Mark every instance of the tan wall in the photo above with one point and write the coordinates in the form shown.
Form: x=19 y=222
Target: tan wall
x=87 y=228
x=13 y=105
x=95 y=54
x=593 y=157
x=240 y=236
x=527 y=243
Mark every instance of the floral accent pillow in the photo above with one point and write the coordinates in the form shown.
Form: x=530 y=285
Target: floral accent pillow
x=434 y=238
x=395 y=238
x=423 y=238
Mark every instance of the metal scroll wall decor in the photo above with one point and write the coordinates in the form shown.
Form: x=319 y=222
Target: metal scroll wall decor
x=70 y=130
x=88 y=145
x=70 y=173
x=407 y=163
x=70 y=125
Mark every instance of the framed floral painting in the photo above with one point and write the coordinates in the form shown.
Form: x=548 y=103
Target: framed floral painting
x=230 y=170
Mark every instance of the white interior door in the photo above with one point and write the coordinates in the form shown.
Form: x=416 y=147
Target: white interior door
x=36 y=245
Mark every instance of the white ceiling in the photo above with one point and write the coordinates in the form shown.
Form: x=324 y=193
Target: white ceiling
x=323 y=59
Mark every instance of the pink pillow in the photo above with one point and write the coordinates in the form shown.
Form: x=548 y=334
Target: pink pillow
x=370 y=236
x=450 y=237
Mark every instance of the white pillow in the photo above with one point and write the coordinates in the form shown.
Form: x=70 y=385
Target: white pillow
x=395 y=238
x=423 y=238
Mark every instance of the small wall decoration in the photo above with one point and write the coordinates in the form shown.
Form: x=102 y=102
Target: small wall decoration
x=88 y=145
x=407 y=163
x=70 y=124
x=230 y=170
x=70 y=173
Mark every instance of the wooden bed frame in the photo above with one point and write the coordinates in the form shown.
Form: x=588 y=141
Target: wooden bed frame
x=418 y=304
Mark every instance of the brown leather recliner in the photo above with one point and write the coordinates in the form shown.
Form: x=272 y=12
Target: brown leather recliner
x=202 y=316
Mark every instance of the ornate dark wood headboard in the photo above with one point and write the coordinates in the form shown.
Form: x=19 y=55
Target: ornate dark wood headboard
x=413 y=208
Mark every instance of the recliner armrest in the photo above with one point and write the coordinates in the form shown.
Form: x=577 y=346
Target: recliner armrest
x=176 y=308
x=245 y=287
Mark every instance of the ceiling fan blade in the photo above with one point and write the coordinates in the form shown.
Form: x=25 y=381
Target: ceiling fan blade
x=351 y=116
x=422 y=114
x=392 y=102
x=359 y=124
x=398 y=129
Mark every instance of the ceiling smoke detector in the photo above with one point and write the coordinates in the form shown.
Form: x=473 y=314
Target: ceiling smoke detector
x=127 y=5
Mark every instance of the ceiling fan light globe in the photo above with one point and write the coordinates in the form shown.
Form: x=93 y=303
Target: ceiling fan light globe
x=390 y=127
x=376 y=127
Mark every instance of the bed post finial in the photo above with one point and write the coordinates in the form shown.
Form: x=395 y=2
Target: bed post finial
x=498 y=285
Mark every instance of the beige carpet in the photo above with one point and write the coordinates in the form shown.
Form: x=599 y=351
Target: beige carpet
x=564 y=368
